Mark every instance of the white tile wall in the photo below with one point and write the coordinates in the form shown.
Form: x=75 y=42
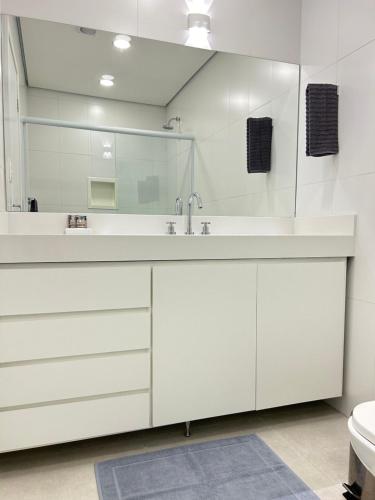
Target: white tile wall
x=359 y=374
x=74 y=173
x=261 y=28
x=119 y=16
x=106 y=112
x=44 y=176
x=342 y=51
x=319 y=35
x=356 y=24
x=215 y=106
x=253 y=27
x=356 y=77
x=61 y=160
x=356 y=194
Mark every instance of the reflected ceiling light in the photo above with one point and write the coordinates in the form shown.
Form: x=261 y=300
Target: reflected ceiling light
x=122 y=42
x=199 y=26
x=107 y=80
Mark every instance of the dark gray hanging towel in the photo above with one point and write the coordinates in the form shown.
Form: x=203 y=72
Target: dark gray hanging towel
x=259 y=141
x=322 y=119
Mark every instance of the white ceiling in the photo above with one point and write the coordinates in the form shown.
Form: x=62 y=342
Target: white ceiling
x=59 y=57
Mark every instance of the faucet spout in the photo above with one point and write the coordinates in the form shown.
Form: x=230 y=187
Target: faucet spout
x=193 y=196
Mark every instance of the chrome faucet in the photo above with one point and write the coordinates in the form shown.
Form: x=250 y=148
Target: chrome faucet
x=195 y=195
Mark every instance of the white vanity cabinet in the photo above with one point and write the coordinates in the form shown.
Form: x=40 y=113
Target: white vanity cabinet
x=204 y=340
x=224 y=336
x=300 y=330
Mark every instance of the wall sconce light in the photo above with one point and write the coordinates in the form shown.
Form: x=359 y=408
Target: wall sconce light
x=199 y=6
x=199 y=26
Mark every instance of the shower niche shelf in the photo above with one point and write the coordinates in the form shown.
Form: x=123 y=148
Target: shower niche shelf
x=102 y=193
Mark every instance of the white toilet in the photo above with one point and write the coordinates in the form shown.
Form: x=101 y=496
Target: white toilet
x=362 y=454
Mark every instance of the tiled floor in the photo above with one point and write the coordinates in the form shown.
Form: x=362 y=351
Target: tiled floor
x=312 y=439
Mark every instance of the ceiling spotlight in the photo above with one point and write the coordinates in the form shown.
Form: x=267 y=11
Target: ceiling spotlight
x=122 y=42
x=199 y=26
x=107 y=80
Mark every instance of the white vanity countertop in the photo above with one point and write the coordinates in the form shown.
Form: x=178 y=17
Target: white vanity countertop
x=240 y=238
x=62 y=248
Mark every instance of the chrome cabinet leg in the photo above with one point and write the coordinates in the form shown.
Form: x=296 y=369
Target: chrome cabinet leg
x=187 y=429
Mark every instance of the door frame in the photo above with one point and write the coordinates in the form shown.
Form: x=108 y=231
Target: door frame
x=7 y=51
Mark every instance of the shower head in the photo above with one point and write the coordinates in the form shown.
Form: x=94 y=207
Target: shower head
x=168 y=126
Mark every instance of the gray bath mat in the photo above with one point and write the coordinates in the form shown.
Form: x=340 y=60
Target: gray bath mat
x=242 y=468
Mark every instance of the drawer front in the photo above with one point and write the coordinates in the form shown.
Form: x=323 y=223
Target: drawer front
x=25 y=338
x=50 y=288
x=44 y=425
x=74 y=378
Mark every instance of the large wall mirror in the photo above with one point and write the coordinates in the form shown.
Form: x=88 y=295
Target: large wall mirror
x=96 y=122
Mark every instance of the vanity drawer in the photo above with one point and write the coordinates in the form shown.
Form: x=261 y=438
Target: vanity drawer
x=44 y=425
x=51 y=288
x=74 y=378
x=25 y=338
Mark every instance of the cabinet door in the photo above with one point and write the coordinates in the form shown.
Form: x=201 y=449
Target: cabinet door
x=300 y=336
x=204 y=340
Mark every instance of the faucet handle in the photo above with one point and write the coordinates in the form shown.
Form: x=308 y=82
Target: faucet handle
x=205 y=228
x=171 y=229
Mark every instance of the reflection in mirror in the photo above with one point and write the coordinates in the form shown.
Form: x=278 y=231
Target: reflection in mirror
x=120 y=124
